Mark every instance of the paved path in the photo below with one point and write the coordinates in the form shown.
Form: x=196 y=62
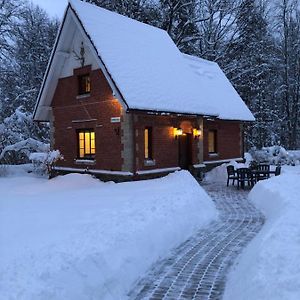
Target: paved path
x=197 y=269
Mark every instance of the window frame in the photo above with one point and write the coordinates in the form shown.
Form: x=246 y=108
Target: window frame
x=88 y=156
x=81 y=90
x=148 y=146
x=215 y=139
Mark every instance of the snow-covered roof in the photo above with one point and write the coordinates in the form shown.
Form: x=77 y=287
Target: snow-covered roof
x=216 y=87
x=147 y=69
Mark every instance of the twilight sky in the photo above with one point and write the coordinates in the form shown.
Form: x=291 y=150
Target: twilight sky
x=55 y=8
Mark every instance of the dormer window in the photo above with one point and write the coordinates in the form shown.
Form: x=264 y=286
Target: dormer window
x=84 y=84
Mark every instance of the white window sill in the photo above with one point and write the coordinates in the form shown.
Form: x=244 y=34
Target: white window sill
x=83 y=96
x=213 y=154
x=149 y=162
x=85 y=161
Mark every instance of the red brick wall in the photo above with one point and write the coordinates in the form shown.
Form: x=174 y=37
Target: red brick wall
x=69 y=112
x=228 y=139
x=100 y=106
x=165 y=146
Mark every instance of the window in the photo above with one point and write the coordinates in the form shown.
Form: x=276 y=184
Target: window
x=148 y=143
x=84 y=84
x=212 y=141
x=86 y=143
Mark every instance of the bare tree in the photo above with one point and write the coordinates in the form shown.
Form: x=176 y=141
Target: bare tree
x=9 y=12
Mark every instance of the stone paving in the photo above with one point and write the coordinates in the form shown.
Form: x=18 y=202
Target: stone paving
x=197 y=269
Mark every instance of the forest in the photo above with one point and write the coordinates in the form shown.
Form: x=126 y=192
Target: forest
x=256 y=43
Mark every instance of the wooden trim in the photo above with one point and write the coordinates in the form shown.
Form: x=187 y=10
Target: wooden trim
x=99 y=57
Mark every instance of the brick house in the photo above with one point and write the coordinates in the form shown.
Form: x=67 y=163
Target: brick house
x=124 y=102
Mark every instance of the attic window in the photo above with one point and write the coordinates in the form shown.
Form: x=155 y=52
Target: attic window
x=84 y=84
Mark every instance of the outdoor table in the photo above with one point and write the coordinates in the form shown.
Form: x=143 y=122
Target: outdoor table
x=262 y=173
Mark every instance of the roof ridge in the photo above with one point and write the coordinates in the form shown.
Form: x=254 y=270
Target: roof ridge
x=116 y=14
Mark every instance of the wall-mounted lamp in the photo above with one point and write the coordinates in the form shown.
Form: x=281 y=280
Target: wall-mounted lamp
x=196 y=133
x=177 y=132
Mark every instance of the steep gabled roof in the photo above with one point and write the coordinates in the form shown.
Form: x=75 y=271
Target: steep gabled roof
x=143 y=66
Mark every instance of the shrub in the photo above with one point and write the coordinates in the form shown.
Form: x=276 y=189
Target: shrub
x=275 y=155
x=44 y=162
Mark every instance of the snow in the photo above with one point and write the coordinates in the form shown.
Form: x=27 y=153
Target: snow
x=221 y=93
x=219 y=173
x=92 y=171
x=208 y=162
x=276 y=155
x=161 y=170
x=269 y=268
x=45 y=157
x=25 y=146
x=74 y=237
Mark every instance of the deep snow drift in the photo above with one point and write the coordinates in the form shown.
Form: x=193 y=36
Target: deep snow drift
x=269 y=268
x=74 y=237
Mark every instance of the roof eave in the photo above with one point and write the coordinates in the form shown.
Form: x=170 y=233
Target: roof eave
x=166 y=112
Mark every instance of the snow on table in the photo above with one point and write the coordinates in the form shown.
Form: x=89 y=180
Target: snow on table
x=74 y=237
x=269 y=268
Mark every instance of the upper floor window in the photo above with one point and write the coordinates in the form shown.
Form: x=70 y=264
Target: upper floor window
x=148 y=143
x=86 y=143
x=84 y=84
x=212 y=141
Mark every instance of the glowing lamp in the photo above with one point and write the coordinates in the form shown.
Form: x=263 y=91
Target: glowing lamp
x=177 y=132
x=196 y=132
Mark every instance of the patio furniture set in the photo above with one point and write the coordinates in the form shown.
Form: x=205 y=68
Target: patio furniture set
x=251 y=175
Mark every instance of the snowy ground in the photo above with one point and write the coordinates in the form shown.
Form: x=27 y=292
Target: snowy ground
x=75 y=237
x=269 y=268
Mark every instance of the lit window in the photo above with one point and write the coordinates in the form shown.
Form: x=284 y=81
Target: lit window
x=212 y=141
x=84 y=84
x=148 y=142
x=86 y=143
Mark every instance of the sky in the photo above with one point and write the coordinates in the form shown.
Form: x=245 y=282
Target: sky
x=55 y=8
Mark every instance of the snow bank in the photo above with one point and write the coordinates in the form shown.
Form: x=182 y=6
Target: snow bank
x=219 y=173
x=269 y=268
x=16 y=170
x=74 y=237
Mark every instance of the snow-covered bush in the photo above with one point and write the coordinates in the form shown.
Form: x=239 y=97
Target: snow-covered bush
x=18 y=133
x=43 y=162
x=275 y=155
x=23 y=149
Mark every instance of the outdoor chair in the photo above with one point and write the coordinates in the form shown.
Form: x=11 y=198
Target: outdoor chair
x=231 y=174
x=277 y=171
x=245 y=176
x=263 y=168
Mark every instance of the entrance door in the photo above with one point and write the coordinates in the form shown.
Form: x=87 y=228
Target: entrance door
x=185 y=150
